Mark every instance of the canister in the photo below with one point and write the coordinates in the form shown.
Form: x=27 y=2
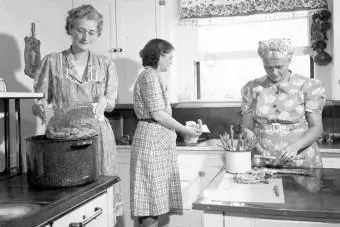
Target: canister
x=238 y=161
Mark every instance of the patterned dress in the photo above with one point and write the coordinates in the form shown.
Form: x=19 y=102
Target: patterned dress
x=278 y=112
x=58 y=79
x=155 y=181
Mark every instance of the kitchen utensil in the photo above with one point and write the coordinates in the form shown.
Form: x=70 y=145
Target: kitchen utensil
x=3 y=87
x=61 y=163
x=32 y=54
x=246 y=141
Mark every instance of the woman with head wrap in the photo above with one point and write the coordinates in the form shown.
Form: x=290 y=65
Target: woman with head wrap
x=283 y=108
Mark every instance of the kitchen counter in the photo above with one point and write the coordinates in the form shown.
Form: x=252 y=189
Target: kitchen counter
x=213 y=145
x=314 y=198
x=44 y=205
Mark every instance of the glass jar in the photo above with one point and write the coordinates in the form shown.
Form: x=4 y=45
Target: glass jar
x=3 y=87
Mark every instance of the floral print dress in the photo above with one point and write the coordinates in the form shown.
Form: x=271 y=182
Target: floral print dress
x=61 y=84
x=279 y=114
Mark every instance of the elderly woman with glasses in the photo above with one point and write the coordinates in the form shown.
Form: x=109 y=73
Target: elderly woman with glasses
x=79 y=77
x=284 y=108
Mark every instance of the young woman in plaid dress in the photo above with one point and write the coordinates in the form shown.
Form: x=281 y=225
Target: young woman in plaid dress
x=155 y=181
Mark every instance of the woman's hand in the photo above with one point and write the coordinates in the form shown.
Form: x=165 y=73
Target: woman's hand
x=288 y=154
x=193 y=131
x=39 y=109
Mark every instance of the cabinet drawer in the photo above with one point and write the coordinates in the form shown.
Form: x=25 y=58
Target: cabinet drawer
x=96 y=208
x=331 y=163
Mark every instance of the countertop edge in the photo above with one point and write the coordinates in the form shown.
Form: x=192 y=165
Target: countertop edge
x=21 y=95
x=55 y=209
x=270 y=213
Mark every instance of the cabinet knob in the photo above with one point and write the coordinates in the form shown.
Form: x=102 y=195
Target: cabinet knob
x=201 y=174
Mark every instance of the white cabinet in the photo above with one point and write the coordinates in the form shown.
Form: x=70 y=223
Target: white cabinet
x=252 y=222
x=330 y=158
x=124 y=173
x=137 y=23
x=95 y=212
x=107 y=40
x=128 y=26
x=197 y=169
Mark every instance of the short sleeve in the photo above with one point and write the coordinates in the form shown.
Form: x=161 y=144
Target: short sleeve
x=43 y=78
x=247 y=98
x=152 y=92
x=314 y=96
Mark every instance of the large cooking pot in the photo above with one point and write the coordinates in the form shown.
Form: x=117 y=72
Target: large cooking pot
x=61 y=163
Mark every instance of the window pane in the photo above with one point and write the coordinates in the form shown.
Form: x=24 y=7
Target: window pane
x=224 y=78
x=245 y=36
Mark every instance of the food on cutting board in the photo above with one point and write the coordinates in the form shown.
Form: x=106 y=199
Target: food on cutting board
x=262 y=175
x=272 y=161
x=253 y=177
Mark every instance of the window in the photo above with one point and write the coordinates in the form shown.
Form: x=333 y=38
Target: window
x=227 y=51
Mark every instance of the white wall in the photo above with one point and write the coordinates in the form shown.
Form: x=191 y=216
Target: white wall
x=15 y=23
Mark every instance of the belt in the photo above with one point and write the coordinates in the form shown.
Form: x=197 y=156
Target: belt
x=149 y=120
x=277 y=127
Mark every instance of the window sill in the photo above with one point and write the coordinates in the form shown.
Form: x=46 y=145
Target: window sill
x=206 y=103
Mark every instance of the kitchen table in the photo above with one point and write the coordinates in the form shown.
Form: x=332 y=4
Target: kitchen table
x=16 y=96
x=304 y=201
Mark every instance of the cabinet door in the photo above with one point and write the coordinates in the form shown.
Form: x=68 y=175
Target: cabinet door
x=107 y=40
x=96 y=210
x=136 y=25
x=124 y=173
x=331 y=163
x=330 y=159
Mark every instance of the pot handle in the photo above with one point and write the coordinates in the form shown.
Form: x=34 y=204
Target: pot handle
x=81 y=144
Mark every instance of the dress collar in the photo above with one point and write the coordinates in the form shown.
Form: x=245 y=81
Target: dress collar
x=71 y=69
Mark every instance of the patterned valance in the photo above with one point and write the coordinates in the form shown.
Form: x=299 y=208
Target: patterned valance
x=225 y=8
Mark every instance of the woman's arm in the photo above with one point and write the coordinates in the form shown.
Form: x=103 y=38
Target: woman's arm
x=111 y=87
x=247 y=121
x=314 y=131
x=43 y=84
x=166 y=120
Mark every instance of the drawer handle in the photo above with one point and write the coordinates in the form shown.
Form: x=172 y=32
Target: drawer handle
x=201 y=174
x=97 y=211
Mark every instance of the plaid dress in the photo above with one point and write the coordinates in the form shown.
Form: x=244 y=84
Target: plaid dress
x=155 y=181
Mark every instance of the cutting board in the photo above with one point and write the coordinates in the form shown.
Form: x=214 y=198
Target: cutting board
x=228 y=191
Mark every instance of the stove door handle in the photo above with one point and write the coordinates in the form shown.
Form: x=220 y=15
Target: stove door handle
x=97 y=211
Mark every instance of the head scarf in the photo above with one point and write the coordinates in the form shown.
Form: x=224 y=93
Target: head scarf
x=282 y=45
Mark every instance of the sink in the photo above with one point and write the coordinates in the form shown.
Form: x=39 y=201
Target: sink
x=15 y=210
x=209 y=143
x=202 y=143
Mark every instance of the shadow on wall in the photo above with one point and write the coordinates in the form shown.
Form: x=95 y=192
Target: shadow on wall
x=10 y=64
x=128 y=70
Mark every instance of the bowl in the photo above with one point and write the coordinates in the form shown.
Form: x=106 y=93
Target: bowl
x=190 y=140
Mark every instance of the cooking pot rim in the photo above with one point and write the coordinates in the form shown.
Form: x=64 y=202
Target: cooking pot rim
x=43 y=138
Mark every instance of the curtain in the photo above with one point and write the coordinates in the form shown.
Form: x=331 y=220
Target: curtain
x=191 y=9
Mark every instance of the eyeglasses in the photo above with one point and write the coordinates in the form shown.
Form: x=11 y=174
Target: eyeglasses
x=83 y=31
